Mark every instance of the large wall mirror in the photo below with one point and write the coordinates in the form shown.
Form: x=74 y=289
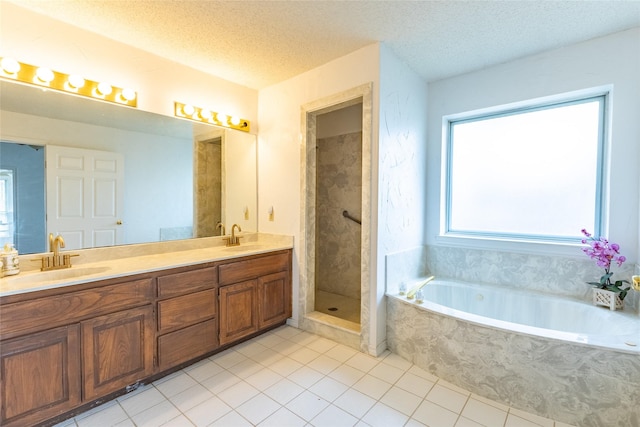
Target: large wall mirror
x=179 y=178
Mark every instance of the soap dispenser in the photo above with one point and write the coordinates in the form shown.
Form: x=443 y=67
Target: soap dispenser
x=10 y=260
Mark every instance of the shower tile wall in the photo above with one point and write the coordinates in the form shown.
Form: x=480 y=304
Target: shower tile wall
x=339 y=188
x=208 y=187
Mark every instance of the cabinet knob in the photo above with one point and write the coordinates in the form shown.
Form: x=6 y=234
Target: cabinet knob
x=119 y=222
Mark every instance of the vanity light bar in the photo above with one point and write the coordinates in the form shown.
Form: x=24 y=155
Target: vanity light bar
x=43 y=77
x=203 y=115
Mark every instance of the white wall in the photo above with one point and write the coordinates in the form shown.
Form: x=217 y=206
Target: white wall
x=398 y=160
x=39 y=40
x=401 y=196
x=279 y=142
x=614 y=59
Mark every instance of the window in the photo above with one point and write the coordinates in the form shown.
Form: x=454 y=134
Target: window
x=7 y=218
x=531 y=173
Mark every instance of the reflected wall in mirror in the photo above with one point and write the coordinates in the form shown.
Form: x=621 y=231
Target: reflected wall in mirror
x=174 y=185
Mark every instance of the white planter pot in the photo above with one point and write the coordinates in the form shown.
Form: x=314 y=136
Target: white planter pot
x=607 y=299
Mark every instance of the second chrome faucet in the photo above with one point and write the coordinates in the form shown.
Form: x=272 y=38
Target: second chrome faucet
x=232 y=240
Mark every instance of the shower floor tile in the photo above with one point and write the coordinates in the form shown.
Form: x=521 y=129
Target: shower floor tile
x=345 y=308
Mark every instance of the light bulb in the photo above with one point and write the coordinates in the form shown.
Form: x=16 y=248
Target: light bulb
x=104 y=89
x=235 y=120
x=10 y=65
x=205 y=114
x=45 y=75
x=188 y=110
x=222 y=118
x=128 y=94
x=75 y=81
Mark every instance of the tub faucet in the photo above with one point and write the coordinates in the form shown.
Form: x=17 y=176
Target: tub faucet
x=412 y=292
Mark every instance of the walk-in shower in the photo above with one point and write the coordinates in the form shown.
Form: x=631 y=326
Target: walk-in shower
x=338 y=210
x=335 y=245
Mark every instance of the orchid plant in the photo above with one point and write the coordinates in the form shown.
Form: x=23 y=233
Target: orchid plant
x=604 y=253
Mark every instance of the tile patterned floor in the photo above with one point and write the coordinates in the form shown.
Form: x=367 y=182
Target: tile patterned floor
x=288 y=377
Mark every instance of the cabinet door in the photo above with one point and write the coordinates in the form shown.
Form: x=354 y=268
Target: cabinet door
x=274 y=299
x=39 y=376
x=238 y=311
x=117 y=350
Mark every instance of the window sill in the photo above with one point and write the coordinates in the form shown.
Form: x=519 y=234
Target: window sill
x=511 y=245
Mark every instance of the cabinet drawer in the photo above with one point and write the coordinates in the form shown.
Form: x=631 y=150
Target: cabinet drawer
x=252 y=268
x=186 y=344
x=57 y=310
x=186 y=282
x=176 y=313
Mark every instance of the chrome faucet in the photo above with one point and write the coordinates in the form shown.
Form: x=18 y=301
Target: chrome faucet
x=233 y=240
x=56 y=261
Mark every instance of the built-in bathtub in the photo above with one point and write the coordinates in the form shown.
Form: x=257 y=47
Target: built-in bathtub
x=560 y=358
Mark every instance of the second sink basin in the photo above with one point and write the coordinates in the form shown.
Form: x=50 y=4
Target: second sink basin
x=242 y=248
x=55 y=275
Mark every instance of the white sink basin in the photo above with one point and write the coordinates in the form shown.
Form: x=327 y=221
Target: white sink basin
x=242 y=248
x=55 y=275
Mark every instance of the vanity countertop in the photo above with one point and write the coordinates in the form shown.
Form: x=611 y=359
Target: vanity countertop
x=108 y=263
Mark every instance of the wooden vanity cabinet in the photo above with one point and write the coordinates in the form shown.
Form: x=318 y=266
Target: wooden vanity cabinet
x=187 y=321
x=62 y=350
x=254 y=294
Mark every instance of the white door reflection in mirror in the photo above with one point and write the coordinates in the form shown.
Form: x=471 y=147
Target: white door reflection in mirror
x=85 y=194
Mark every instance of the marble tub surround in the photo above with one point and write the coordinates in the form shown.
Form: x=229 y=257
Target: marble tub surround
x=556 y=275
x=405 y=267
x=111 y=262
x=570 y=382
x=532 y=314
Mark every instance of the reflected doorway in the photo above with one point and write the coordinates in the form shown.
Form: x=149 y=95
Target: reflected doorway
x=23 y=219
x=208 y=188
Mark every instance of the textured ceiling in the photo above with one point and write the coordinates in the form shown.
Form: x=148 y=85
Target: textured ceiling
x=259 y=43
